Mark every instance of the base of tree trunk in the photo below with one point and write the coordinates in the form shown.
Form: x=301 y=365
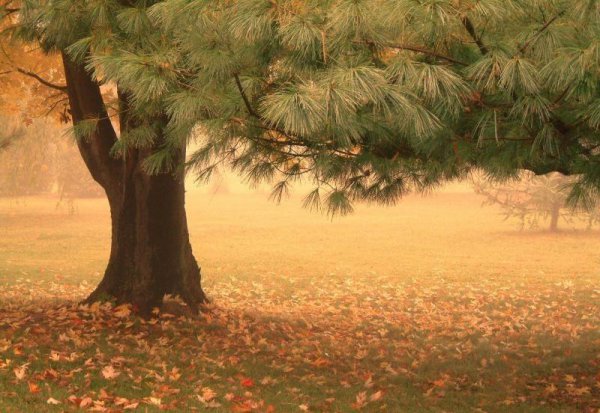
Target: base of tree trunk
x=151 y=255
x=144 y=298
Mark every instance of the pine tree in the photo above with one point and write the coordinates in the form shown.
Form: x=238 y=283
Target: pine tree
x=369 y=99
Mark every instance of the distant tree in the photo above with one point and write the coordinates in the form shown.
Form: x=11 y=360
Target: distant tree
x=5 y=142
x=8 y=133
x=25 y=165
x=535 y=199
x=71 y=178
x=41 y=158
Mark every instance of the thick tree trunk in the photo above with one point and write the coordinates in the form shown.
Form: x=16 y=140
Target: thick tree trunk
x=151 y=253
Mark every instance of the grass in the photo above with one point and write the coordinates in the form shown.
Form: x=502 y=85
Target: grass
x=433 y=305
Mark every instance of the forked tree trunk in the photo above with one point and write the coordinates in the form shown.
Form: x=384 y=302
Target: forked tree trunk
x=151 y=253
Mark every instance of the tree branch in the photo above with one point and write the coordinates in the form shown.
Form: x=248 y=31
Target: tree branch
x=62 y=88
x=473 y=33
x=244 y=97
x=418 y=49
x=86 y=102
x=528 y=43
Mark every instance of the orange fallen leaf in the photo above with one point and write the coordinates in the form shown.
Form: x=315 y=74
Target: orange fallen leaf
x=85 y=402
x=208 y=394
x=122 y=311
x=33 y=387
x=376 y=396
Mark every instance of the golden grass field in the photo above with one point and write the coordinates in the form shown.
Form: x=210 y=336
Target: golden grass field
x=435 y=304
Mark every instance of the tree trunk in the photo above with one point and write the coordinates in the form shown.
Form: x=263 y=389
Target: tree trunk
x=150 y=253
x=554 y=218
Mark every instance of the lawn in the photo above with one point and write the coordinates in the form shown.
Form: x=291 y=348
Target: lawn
x=433 y=305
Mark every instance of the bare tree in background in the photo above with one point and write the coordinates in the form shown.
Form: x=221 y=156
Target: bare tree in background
x=535 y=200
x=41 y=158
x=8 y=136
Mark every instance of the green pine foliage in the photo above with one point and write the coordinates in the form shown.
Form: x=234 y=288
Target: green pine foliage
x=368 y=99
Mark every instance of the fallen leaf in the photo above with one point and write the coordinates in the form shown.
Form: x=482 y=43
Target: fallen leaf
x=52 y=401
x=33 y=387
x=376 y=396
x=247 y=382
x=110 y=373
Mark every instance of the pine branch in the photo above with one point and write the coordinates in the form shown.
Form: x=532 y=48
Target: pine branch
x=473 y=33
x=244 y=97
x=418 y=49
x=528 y=43
x=563 y=94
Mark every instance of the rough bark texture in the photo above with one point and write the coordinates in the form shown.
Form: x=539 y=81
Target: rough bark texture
x=151 y=253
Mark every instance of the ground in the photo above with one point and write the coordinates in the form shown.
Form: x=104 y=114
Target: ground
x=433 y=305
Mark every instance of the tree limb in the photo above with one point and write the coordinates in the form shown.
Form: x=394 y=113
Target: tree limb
x=86 y=102
x=418 y=49
x=473 y=33
x=528 y=43
x=62 y=88
x=244 y=97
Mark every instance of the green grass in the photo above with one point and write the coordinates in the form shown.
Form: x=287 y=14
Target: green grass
x=436 y=304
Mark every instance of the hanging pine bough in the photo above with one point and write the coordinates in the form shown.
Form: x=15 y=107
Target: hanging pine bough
x=367 y=98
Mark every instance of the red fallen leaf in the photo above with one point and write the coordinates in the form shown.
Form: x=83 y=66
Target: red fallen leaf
x=33 y=387
x=270 y=409
x=247 y=382
x=77 y=321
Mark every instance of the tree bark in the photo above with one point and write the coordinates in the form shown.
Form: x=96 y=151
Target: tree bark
x=151 y=254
